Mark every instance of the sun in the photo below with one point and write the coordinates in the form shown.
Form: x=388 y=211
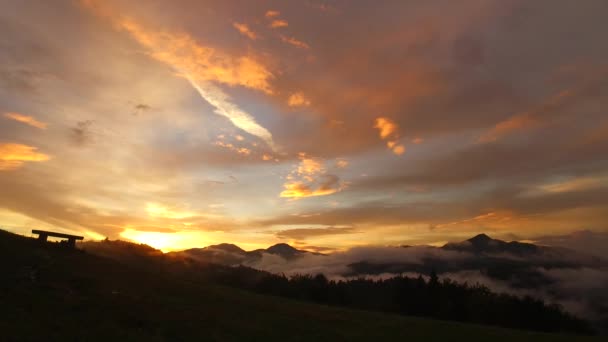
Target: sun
x=163 y=241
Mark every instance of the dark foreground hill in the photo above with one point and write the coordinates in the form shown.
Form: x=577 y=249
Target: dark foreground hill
x=51 y=293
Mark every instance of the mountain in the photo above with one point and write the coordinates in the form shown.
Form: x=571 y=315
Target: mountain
x=483 y=244
x=284 y=250
x=232 y=255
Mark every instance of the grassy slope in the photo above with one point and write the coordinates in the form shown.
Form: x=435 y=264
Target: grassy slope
x=80 y=297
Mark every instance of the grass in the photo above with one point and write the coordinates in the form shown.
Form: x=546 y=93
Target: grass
x=49 y=293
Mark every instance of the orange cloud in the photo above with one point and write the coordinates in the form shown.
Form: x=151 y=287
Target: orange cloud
x=293 y=41
x=271 y=14
x=279 y=23
x=386 y=126
x=240 y=150
x=526 y=120
x=298 y=100
x=399 y=150
x=342 y=163
x=309 y=166
x=26 y=119
x=199 y=62
x=310 y=179
x=506 y=127
x=297 y=190
x=201 y=66
x=13 y=156
x=245 y=30
x=388 y=130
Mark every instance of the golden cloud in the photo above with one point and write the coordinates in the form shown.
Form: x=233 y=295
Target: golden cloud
x=201 y=66
x=297 y=190
x=13 y=156
x=26 y=119
x=279 y=23
x=388 y=130
x=342 y=163
x=245 y=30
x=295 y=42
x=297 y=100
x=240 y=150
x=309 y=166
x=386 y=127
x=200 y=63
x=272 y=13
x=310 y=179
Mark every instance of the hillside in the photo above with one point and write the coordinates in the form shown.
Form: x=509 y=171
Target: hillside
x=48 y=292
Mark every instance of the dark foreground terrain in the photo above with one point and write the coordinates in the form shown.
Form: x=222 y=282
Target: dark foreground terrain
x=51 y=293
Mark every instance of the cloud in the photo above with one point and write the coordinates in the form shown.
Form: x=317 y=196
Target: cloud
x=342 y=163
x=549 y=110
x=321 y=186
x=503 y=128
x=240 y=150
x=26 y=119
x=81 y=134
x=295 y=42
x=584 y=241
x=241 y=119
x=202 y=66
x=272 y=14
x=309 y=166
x=198 y=62
x=279 y=23
x=304 y=233
x=310 y=179
x=386 y=127
x=13 y=156
x=141 y=108
x=337 y=265
x=245 y=30
x=388 y=131
x=298 y=100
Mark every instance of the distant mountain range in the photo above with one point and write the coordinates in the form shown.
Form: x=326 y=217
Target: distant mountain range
x=510 y=261
x=572 y=278
x=231 y=255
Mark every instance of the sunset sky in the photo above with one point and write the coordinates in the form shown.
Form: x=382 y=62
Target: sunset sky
x=323 y=124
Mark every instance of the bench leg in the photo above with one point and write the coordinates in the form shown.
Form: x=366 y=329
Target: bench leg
x=72 y=243
x=42 y=237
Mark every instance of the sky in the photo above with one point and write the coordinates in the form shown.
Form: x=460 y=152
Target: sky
x=324 y=124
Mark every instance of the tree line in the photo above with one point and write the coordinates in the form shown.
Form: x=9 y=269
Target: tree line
x=434 y=298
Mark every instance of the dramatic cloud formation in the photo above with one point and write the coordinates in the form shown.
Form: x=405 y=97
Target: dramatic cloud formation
x=493 y=121
x=201 y=65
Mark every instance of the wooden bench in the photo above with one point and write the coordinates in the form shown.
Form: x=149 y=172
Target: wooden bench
x=43 y=236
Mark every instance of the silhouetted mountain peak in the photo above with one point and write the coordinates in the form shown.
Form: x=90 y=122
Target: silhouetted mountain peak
x=227 y=247
x=283 y=250
x=483 y=244
x=480 y=239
